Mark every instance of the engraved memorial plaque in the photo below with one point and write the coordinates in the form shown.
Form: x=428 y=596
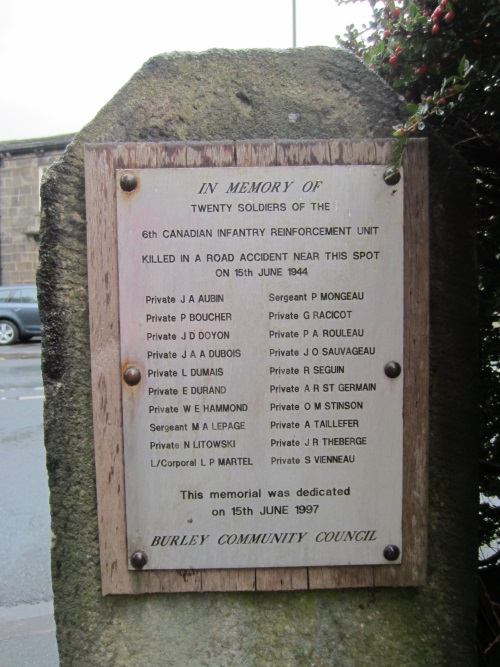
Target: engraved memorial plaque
x=261 y=330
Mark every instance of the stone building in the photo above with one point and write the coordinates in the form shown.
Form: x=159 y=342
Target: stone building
x=22 y=164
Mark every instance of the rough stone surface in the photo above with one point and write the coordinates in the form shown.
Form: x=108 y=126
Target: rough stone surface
x=305 y=93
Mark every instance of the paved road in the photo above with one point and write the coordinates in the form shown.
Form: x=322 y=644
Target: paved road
x=27 y=633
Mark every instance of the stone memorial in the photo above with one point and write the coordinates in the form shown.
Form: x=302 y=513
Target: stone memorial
x=247 y=393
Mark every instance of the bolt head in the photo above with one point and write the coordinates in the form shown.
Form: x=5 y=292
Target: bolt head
x=392 y=552
x=132 y=376
x=138 y=559
x=128 y=182
x=392 y=176
x=392 y=369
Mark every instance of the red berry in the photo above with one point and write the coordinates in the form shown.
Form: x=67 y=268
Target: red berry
x=435 y=29
x=444 y=3
x=437 y=14
x=395 y=13
x=449 y=17
x=427 y=12
x=397 y=50
x=477 y=42
x=441 y=101
x=393 y=61
x=387 y=34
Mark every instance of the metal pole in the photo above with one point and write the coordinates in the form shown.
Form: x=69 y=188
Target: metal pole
x=294 y=23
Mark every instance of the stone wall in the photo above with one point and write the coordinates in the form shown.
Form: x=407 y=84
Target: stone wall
x=22 y=164
x=304 y=93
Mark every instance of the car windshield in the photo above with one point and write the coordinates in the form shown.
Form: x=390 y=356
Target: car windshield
x=18 y=295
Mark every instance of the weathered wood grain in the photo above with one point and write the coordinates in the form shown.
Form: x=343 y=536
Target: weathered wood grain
x=101 y=162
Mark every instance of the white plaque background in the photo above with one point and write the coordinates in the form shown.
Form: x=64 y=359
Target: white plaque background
x=344 y=529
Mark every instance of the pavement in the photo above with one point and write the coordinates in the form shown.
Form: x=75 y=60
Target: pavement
x=27 y=636
x=27 y=627
x=28 y=350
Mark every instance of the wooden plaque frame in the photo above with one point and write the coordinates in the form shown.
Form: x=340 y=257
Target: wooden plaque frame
x=101 y=161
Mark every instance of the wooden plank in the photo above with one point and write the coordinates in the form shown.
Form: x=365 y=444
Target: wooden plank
x=171 y=154
x=220 y=581
x=173 y=581
x=360 y=152
x=349 y=576
x=412 y=571
x=133 y=155
x=282 y=579
x=210 y=154
x=105 y=357
x=252 y=153
x=303 y=153
x=101 y=163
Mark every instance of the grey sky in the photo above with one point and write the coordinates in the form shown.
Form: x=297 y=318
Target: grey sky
x=60 y=62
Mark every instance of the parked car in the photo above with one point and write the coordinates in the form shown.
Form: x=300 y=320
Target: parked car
x=19 y=317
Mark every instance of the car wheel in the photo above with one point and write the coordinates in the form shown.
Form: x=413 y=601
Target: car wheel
x=9 y=333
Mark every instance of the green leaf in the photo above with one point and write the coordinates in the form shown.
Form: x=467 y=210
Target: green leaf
x=412 y=108
x=379 y=48
x=462 y=64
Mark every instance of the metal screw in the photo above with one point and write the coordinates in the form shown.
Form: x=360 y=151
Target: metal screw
x=132 y=376
x=139 y=559
x=392 y=369
x=391 y=552
x=128 y=182
x=392 y=175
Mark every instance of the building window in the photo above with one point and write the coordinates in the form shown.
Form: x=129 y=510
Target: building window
x=41 y=172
